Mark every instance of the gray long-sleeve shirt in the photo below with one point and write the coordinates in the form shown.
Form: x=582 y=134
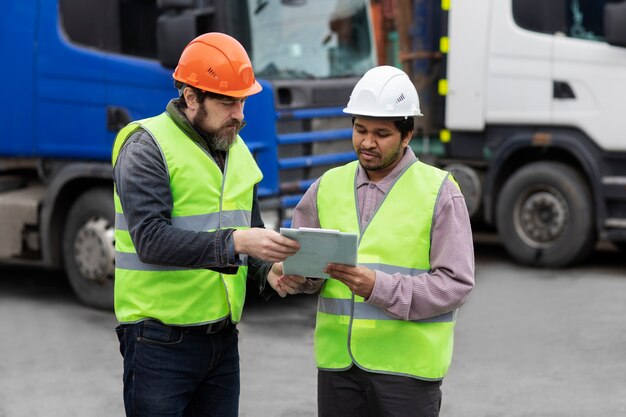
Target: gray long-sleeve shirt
x=451 y=278
x=142 y=183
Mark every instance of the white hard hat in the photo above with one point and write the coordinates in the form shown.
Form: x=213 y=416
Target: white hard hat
x=384 y=91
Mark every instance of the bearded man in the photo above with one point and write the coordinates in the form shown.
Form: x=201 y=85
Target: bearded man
x=188 y=234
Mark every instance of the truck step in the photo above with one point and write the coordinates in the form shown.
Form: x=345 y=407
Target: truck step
x=18 y=208
x=614 y=187
x=615 y=223
x=11 y=182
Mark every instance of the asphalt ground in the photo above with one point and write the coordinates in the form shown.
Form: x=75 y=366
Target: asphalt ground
x=529 y=342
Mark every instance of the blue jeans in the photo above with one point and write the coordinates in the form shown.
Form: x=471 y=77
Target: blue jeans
x=177 y=371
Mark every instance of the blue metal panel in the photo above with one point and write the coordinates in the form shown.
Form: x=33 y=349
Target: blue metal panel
x=70 y=99
x=311 y=113
x=263 y=192
x=17 y=36
x=422 y=32
x=316 y=160
x=140 y=86
x=77 y=85
x=256 y=147
x=306 y=137
x=291 y=200
x=307 y=161
x=305 y=184
x=260 y=135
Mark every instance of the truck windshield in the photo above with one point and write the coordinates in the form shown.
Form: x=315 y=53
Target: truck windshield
x=310 y=39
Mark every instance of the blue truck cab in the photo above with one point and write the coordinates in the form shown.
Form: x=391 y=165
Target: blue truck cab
x=79 y=70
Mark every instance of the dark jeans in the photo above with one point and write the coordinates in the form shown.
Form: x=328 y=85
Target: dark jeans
x=357 y=393
x=174 y=371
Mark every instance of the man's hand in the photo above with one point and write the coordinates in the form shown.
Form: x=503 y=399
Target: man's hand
x=284 y=284
x=264 y=244
x=359 y=279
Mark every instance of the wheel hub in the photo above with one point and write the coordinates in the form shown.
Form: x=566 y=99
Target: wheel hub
x=542 y=218
x=94 y=250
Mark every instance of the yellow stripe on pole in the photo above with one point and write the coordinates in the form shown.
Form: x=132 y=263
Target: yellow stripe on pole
x=443 y=87
x=444 y=44
x=445 y=5
x=445 y=136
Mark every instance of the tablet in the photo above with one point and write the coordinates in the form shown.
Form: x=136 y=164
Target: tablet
x=318 y=247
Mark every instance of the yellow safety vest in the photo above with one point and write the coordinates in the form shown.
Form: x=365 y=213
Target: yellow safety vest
x=396 y=240
x=204 y=199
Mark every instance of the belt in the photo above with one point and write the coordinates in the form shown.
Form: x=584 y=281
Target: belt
x=215 y=327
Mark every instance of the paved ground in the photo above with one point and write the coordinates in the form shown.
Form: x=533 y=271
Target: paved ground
x=541 y=342
x=528 y=343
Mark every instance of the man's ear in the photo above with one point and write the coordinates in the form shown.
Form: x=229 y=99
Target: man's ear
x=190 y=98
x=407 y=139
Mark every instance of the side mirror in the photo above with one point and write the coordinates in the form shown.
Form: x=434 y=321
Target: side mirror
x=615 y=23
x=176 y=30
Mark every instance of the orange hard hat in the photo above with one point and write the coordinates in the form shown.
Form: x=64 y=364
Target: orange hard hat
x=217 y=63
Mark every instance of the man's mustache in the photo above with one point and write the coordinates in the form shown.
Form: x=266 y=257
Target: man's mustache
x=373 y=153
x=235 y=123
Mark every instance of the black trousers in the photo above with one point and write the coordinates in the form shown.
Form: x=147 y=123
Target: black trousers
x=358 y=393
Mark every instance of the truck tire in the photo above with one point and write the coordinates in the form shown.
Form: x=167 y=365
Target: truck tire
x=544 y=215
x=89 y=247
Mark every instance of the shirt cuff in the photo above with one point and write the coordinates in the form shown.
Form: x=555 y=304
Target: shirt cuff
x=232 y=258
x=381 y=291
x=265 y=290
x=311 y=285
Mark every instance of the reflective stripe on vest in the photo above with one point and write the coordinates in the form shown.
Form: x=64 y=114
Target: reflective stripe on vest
x=396 y=240
x=179 y=295
x=345 y=307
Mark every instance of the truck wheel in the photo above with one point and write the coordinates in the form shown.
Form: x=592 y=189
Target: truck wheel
x=89 y=247
x=545 y=216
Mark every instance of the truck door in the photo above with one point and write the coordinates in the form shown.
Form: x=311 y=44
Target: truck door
x=590 y=77
x=17 y=43
x=137 y=85
x=97 y=69
x=70 y=80
x=519 y=84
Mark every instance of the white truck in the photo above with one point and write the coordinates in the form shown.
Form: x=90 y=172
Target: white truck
x=526 y=104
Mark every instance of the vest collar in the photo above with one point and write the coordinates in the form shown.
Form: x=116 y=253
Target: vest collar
x=182 y=122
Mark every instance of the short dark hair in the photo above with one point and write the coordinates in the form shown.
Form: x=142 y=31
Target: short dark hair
x=404 y=124
x=201 y=95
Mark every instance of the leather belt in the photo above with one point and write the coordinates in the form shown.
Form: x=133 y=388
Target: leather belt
x=214 y=327
x=210 y=328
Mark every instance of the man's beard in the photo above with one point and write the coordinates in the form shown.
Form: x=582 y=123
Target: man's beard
x=219 y=139
x=384 y=160
x=223 y=138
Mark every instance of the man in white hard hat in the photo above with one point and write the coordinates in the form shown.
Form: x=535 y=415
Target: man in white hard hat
x=384 y=331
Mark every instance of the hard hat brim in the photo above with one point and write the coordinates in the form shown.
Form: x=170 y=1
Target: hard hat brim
x=380 y=114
